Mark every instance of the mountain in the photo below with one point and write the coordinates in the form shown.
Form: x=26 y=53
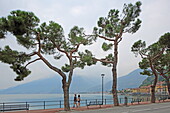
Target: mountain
x=131 y=80
x=36 y=87
x=50 y=85
x=150 y=79
x=79 y=84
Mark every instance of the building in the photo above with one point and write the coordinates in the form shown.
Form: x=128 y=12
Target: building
x=160 y=89
x=144 y=89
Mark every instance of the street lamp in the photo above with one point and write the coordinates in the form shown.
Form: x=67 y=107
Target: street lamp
x=102 y=86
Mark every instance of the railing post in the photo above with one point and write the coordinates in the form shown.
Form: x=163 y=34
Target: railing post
x=26 y=105
x=138 y=100
x=120 y=100
x=86 y=102
x=44 y=104
x=147 y=99
x=3 y=106
x=105 y=101
x=60 y=103
x=126 y=101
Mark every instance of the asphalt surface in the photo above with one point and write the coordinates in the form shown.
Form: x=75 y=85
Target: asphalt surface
x=147 y=108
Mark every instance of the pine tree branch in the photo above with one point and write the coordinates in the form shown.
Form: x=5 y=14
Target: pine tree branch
x=100 y=37
x=75 y=50
x=51 y=66
x=120 y=39
x=32 y=62
x=143 y=55
x=39 y=43
x=103 y=60
x=32 y=54
x=159 y=54
x=105 y=38
x=60 y=50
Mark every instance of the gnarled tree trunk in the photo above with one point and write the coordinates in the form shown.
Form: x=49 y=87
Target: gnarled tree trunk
x=153 y=94
x=66 y=96
x=114 y=71
x=167 y=82
x=154 y=84
x=168 y=85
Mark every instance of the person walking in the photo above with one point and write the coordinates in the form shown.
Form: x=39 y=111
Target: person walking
x=75 y=101
x=78 y=100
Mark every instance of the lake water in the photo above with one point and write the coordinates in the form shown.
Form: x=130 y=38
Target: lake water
x=43 y=97
x=48 y=97
x=46 y=101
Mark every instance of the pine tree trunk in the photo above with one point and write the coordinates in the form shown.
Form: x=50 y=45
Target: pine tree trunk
x=167 y=82
x=66 y=99
x=168 y=85
x=66 y=95
x=114 y=71
x=114 y=89
x=153 y=88
x=152 y=94
x=155 y=81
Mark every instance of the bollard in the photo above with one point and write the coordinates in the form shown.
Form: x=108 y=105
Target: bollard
x=126 y=101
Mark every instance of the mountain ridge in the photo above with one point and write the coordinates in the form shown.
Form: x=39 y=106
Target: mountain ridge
x=79 y=84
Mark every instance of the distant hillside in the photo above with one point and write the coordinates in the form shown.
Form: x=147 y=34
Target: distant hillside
x=50 y=85
x=131 y=80
x=79 y=84
x=149 y=80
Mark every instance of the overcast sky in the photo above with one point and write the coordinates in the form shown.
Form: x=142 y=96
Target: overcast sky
x=155 y=18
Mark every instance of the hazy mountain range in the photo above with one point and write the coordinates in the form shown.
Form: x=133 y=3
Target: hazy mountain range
x=79 y=84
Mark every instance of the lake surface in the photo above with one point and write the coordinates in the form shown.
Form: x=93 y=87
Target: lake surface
x=46 y=97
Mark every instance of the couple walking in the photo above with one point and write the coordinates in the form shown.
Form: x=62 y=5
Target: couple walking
x=76 y=101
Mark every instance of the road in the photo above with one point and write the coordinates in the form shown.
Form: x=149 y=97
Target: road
x=147 y=108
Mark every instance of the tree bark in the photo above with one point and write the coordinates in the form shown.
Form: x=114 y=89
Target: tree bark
x=114 y=71
x=154 y=85
x=155 y=81
x=168 y=85
x=153 y=94
x=167 y=82
x=114 y=88
x=66 y=96
x=64 y=82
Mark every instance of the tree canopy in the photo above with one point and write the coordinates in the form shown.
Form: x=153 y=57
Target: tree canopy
x=111 y=28
x=43 y=39
x=47 y=39
x=154 y=58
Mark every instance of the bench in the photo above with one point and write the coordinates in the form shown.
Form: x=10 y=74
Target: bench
x=136 y=100
x=95 y=103
x=162 y=98
x=13 y=107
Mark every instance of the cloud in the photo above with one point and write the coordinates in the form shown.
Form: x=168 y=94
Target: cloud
x=78 y=10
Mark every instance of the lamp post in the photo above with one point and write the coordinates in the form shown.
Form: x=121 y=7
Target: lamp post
x=102 y=86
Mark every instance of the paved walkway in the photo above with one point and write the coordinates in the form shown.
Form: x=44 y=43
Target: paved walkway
x=95 y=109
x=144 y=108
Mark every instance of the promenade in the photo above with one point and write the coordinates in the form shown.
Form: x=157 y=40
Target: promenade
x=143 y=107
